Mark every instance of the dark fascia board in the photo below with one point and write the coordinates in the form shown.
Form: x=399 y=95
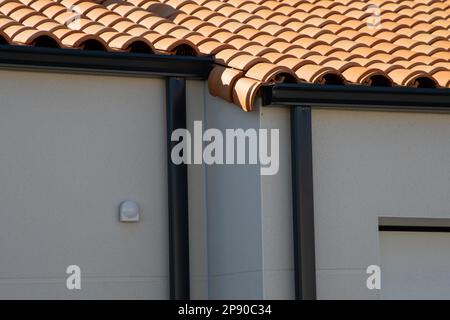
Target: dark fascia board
x=84 y=61
x=357 y=96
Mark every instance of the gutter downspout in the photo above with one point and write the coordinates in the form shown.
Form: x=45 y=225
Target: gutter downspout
x=177 y=194
x=303 y=204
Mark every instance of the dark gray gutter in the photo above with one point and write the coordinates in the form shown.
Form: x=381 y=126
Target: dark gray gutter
x=23 y=57
x=354 y=96
x=177 y=194
x=303 y=204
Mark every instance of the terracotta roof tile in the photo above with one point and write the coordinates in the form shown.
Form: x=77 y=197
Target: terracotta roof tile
x=269 y=72
x=368 y=76
x=221 y=81
x=319 y=74
x=245 y=91
x=254 y=42
x=443 y=78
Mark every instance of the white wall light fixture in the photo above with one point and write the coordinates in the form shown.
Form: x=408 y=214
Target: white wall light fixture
x=129 y=211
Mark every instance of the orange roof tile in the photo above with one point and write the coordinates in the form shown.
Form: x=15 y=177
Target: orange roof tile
x=254 y=42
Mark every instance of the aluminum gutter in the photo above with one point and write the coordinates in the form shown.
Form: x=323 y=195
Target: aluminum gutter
x=177 y=194
x=119 y=63
x=357 y=96
x=303 y=204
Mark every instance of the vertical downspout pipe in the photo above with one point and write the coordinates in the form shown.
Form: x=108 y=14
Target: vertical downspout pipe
x=303 y=203
x=177 y=194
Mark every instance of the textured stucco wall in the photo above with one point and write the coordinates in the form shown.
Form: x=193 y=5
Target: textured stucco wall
x=366 y=165
x=249 y=234
x=72 y=148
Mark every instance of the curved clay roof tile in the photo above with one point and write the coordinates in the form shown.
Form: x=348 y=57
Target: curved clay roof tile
x=38 y=38
x=82 y=41
x=284 y=47
x=182 y=33
x=132 y=44
x=444 y=64
x=166 y=28
x=195 y=24
x=258 y=50
x=318 y=74
x=275 y=57
x=320 y=59
x=188 y=7
x=225 y=56
x=245 y=62
x=162 y=10
x=271 y=73
x=412 y=78
x=9 y=7
x=218 y=21
x=171 y=45
x=254 y=41
x=22 y=14
x=40 y=5
x=300 y=53
x=385 y=67
x=314 y=32
x=245 y=91
x=425 y=59
x=212 y=47
x=290 y=36
x=242 y=43
x=444 y=55
x=326 y=50
x=294 y=63
x=296 y=25
x=427 y=49
x=251 y=7
x=221 y=81
x=445 y=44
x=429 y=69
x=36 y=20
x=4 y=38
x=212 y=5
x=340 y=65
x=443 y=78
x=232 y=25
x=145 y=19
x=225 y=36
x=367 y=76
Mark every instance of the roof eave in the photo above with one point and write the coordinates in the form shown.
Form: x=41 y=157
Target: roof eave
x=357 y=97
x=122 y=63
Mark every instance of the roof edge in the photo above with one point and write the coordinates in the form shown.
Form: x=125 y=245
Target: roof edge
x=357 y=97
x=123 y=63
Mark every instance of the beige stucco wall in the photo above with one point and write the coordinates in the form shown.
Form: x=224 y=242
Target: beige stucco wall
x=75 y=146
x=277 y=229
x=72 y=148
x=198 y=241
x=249 y=217
x=366 y=165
